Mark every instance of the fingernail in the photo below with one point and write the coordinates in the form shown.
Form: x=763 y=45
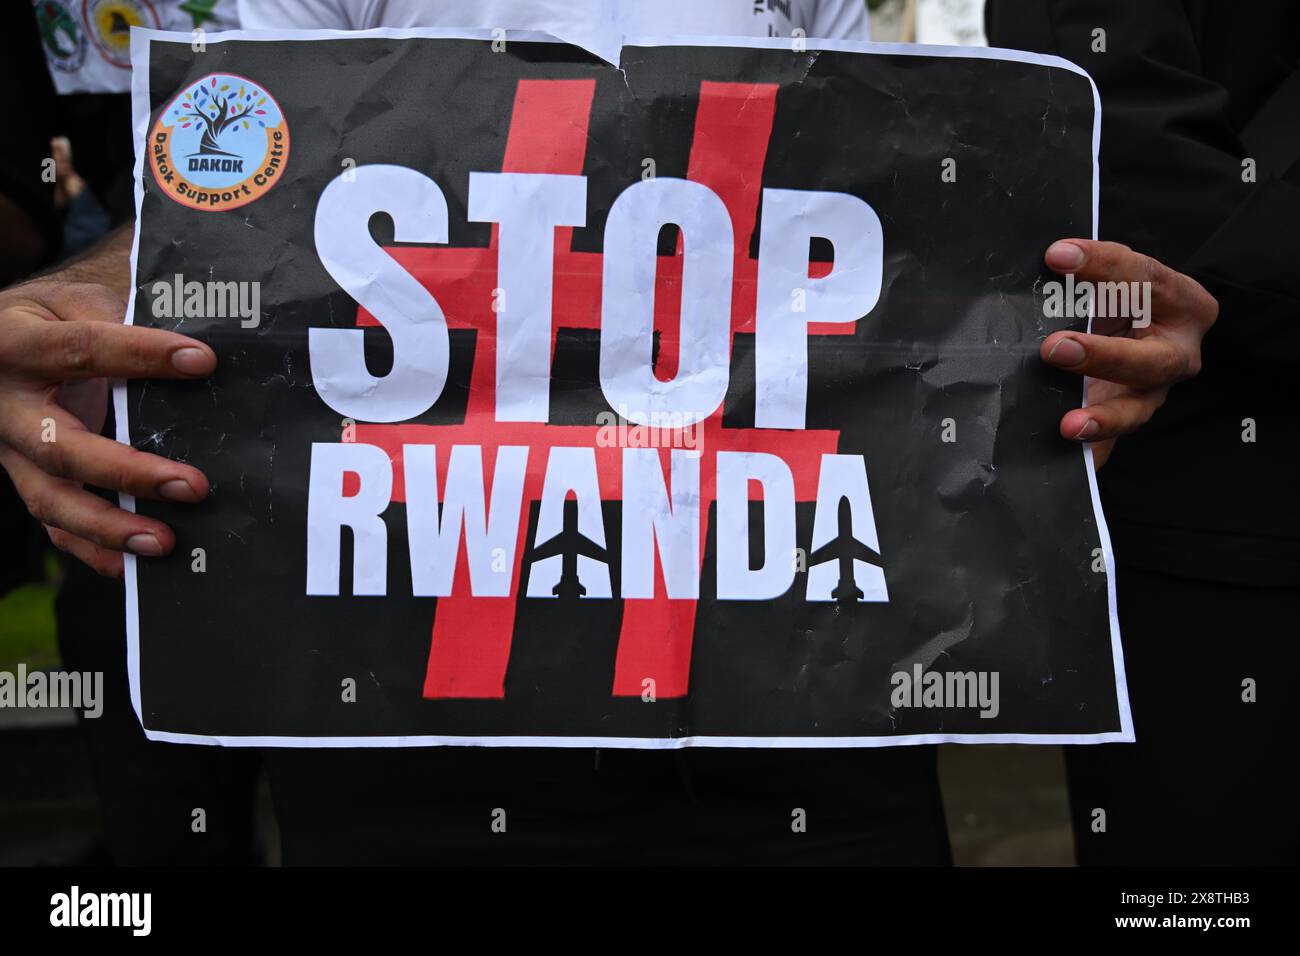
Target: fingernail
x=178 y=489
x=191 y=361
x=1088 y=430
x=1065 y=255
x=145 y=544
x=1067 y=352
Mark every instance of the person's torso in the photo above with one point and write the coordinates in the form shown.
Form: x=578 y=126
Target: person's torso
x=830 y=19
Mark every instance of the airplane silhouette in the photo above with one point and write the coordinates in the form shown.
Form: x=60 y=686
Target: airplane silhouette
x=845 y=547
x=570 y=543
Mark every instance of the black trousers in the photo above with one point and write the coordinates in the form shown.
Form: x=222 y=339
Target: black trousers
x=1210 y=780
x=469 y=806
x=148 y=791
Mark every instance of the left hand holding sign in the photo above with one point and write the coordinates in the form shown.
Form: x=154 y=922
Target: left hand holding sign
x=1132 y=359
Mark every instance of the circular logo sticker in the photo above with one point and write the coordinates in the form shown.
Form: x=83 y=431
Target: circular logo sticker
x=221 y=143
x=110 y=23
x=65 y=44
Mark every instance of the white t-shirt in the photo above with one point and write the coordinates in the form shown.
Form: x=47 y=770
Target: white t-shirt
x=594 y=23
x=88 y=42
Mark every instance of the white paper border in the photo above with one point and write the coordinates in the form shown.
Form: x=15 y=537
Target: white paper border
x=140 y=111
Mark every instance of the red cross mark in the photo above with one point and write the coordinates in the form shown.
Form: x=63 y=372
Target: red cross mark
x=470 y=650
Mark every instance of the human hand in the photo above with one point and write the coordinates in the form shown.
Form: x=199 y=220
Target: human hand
x=60 y=343
x=1129 y=366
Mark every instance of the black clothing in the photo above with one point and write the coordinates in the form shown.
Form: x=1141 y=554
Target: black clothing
x=148 y=791
x=1179 y=81
x=1206 y=526
x=1208 y=782
x=27 y=107
x=705 y=806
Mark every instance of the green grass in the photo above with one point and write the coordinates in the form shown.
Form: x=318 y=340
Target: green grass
x=27 y=633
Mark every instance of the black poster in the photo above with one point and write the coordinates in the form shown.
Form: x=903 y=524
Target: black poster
x=690 y=400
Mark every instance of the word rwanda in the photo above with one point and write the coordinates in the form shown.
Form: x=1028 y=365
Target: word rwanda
x=68 y=689
x=179 y=299
x=661 y=513
x=655 y=521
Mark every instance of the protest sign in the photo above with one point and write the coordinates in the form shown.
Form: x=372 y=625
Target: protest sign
x=693 y=399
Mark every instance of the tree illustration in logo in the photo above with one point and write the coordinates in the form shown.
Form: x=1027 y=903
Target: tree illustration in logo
x=218 y=110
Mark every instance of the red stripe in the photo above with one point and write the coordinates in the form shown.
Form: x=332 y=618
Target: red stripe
x=470 y=649
x=471 y=642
